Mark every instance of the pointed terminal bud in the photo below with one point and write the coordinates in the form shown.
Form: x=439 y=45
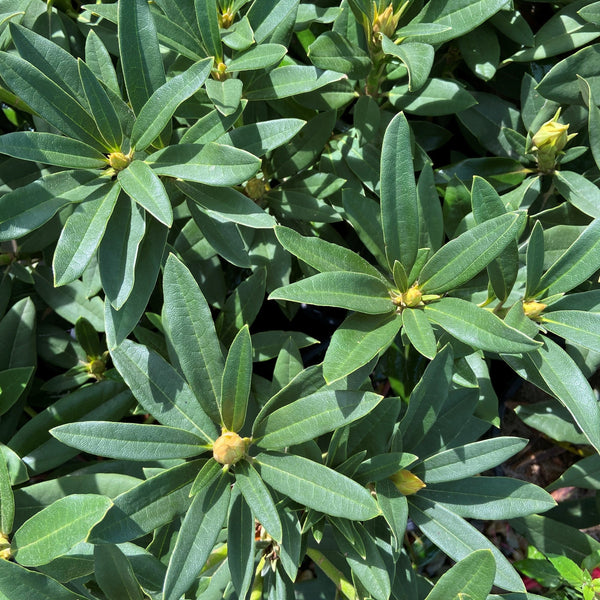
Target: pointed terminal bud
x=533 y=308
x=118 y=161
x=406 y=482
x=549 y=141
x=412 y=297
x=229 y=448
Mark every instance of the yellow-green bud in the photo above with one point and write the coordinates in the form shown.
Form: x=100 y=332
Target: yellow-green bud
x=118 y=161
x=229 y=448
x=385 y=22
x=406 y=482
x=548 y=142
x=533 y=308
x=412 y=297
x=5 y=552
x=256 y=188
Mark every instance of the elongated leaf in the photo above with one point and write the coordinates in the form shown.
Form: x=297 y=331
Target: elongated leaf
x=291 y=80
x=354 y=291
x=115 y=575
x=477 y=327
x=212 y=164
x=56 y=529
x=419 y=331
x=237 y=377
x=490 y=497
x=324 y=256
x=534 y=259
x=258 y=57
x=129 y=441
x=316 y=486
x=140 y=182
x=99 y=62
x=579 y=191
x=51 y=149
x=208 y=24
x=20 y=583
x=577 y=326
x=578 y=262
x=191 y=330
x=333 y=51
x=356 y=341
x=7 y=500
x=312 y=416
x=463 y=257
x=565 y=381
x=49 y=100
x=161 y=390
x=81 y=237
x=465 y=461
x=199 y=530
x=227 y=203
x=141 y=61
x=101 y=107
x=240 y=544
x=472 y=577
x=458 y=539
x=158 y=110
x=13 y=383
x=259 y=499
x=147 y=506
x=225 y=95
x=30 y=206
x=416 y=56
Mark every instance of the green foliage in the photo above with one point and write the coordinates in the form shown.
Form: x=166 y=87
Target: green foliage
x=181 y=183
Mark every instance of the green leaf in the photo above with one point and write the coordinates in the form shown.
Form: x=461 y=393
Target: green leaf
x=81 y=236
x=13 y=383
x=161 y=390
x=575 y=265
x=325 y=256
x=356 y=341
x=419 y=331
x=399 y=207
x=472 y=577
x=51 y=149
x=459 y=15
x=57 y=528
x=564 y=31
x=19 y=583
x=227 y=203
x=354 y=291
x=462 y=258
x=197 y=536
x=212 y=164
x=188 y=321
x=101 y=107
x=534 y=259
x=208 y=24
x=259 y=499
x=490 y=497
x=49 y=100
x=140 y=182
x=468 y=460
x=565 y=381
x=311 y=416
x=435 y=98
x=394 y=507
x=593 y=119
x=290 y=80
x=115 y=575
x=240 y=545
x=7 y=501
x=99 y=61
x=156 y=113
x=225 y=95
x=482 y=59
x=416 y=57
x=147 y=506
x=577 y=190
x=273 y=22
x=141 y=60
x=576 y=326
x=118 y=251
x=458 y=539
x=30 y=206
x=585 y=473
x=316 y=486
x=259 y=57
x=237 y=377
x=332 y=51
x=478 y=327
x=129 y=441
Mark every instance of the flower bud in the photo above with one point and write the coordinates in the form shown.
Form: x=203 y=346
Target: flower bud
x=229 y=448
x=406 y=482
x=412 y=297
x=5 y=552
x=549 y=141
x=118 y=161
x=533 y=308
